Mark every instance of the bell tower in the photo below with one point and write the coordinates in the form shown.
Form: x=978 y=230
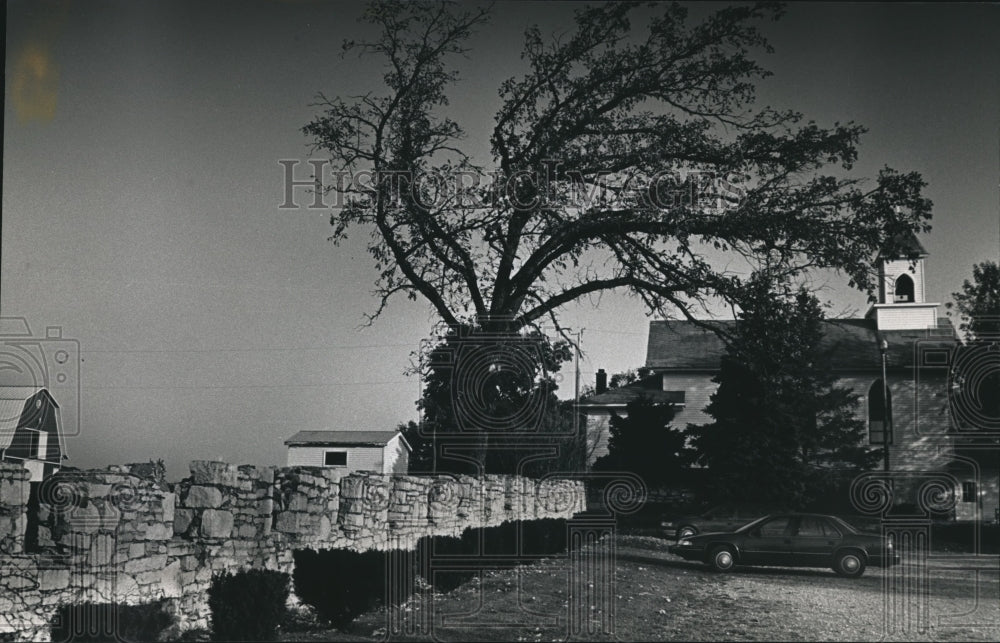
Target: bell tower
x=902 y=302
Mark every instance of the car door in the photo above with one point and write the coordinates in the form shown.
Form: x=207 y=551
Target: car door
x=814 y=541
x=768 y=543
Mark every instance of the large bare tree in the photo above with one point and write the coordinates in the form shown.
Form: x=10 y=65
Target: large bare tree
x=628 y=157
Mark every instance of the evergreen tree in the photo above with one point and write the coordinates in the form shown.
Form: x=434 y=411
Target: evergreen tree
x=783 y=429
x=644 y=442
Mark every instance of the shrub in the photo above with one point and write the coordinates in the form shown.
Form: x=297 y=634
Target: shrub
x=91 y=622
x=248 y=605
x=340 y=584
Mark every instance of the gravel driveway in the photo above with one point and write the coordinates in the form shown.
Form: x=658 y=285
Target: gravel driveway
x=660 y=597
x=960 y=600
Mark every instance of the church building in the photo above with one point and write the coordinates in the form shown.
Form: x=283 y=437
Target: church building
x=902 y=336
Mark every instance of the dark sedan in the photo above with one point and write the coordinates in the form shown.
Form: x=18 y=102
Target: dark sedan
x=791 y=540
x=724 y=517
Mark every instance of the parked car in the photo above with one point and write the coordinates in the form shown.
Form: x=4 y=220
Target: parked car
x=791 y=540
x=724 y=517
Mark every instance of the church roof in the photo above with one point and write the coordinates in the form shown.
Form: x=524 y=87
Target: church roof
x=853 y=345
x=904 y=245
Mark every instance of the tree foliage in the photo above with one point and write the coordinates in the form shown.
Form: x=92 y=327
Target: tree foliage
x=975 y=376
x=782 y=427
x=644 y=442
x=629 y=156
x=978 y=303
x=489 y=399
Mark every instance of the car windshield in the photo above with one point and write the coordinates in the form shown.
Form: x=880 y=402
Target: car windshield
x=750 y=525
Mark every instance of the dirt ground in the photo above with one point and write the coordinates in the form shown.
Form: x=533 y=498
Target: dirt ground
x=656 y=596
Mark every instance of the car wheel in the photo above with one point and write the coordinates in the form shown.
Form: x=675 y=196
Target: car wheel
x=721 y=558
x=686 y=532
x=849 y=564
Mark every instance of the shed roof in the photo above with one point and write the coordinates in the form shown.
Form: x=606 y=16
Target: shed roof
x=12 y=401
x=853 y=344
x=343 y=438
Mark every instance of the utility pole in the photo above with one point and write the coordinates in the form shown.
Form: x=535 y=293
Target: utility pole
x=576 y=393
x=886 y=432
x=576 y=389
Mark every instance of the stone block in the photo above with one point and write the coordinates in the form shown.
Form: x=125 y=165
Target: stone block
x=102 y=550
x=352 y=521
x=291 y=522
x=324 y=528
x=169 y=581
x=98 y=490
x=214 y=473
x=265 y=507
x=145 y=564
x=169 y=505
x=136 y=550
x=13 y=493
x=202 y=497
x=352 y=487
x=50 y=580
x=84 y=519
x=216 y=524
x=182 y=520
x=110 y=517
x=159 y=531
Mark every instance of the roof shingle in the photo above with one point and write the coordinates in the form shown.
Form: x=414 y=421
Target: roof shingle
x=853 y=345
x=12 y=400
x=650 y=388
x=341 y=438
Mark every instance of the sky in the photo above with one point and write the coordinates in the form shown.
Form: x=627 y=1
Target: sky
x=141 y=185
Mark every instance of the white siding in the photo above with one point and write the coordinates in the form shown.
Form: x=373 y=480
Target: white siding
x=906 y=316
x=697 y=387
x=358 y=458
x=893 y=269
x=397 y=457
x=598 y=431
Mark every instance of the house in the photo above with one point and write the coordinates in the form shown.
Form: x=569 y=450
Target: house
x=682 y=358
x=29 y=430
x=378 y=451
x=605 y=403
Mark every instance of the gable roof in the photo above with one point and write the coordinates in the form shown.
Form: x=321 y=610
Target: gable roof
x=853 y=344
x=344 y=438
x=905 y=245
x=650 y=388
x=12 y=401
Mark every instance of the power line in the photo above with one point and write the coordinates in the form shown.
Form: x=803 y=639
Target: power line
x=255 y=349
x=242 y=386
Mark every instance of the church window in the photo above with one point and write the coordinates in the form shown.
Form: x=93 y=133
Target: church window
x=904 y=290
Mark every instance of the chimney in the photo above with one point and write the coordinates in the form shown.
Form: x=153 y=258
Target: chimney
x=602 y=381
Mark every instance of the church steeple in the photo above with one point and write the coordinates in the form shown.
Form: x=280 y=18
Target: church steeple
x=902 y=302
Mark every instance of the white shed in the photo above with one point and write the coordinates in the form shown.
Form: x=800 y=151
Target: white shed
x=378 y=451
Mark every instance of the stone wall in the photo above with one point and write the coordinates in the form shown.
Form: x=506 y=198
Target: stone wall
x=123 y=536
x=13 y=507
